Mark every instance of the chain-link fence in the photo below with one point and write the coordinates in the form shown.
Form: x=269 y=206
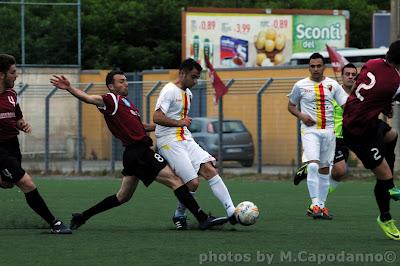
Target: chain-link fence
x=70 y=136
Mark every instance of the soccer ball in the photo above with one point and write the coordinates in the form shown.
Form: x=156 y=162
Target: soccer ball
x=246 y=213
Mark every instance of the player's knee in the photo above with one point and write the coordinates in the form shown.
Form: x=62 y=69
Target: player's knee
x=193 y=184
x=26 y=184
x=391 y=136
x=208 y=170
x=338 y=173
x=173 y=181
x=312 y=168
x=123 y=197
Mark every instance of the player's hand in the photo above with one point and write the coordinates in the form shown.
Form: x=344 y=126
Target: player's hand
x=307 y=120
x=60 y=82
x=24 y=126
x=185 y=122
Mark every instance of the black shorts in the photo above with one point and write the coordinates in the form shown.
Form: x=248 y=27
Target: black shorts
x=10 y=161
x=141 y=161
x=369 y=147
x=341 y=151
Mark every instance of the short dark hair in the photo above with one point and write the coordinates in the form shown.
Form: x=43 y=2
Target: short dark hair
x=111 y=74
x=317 y=56
x=188 y=65
x=393 y=55
x=6 y=61
x=349 y=65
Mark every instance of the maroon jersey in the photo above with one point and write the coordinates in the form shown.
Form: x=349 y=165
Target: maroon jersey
x=375 y=88
x=123 y=120
x=10 y=113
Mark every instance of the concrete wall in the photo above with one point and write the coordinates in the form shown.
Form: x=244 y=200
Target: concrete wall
x=62 y=110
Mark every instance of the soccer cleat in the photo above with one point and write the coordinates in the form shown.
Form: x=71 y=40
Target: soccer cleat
x=59 y=227
x=232 y=219
x=325 y=214
x=395 y=193
x=316 y=212
x=212 y=221
x=77 y=220
x=300 y=174
x=180 y=222
x=309 y=211
x=389 y=228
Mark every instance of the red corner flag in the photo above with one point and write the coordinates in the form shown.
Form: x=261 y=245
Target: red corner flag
x=338 y=61
x=219 y=86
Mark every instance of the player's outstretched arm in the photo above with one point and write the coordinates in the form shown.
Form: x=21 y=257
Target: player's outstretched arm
x=63 y=83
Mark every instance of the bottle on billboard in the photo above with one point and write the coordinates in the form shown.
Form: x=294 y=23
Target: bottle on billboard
x=208 y=49
x=195 y=51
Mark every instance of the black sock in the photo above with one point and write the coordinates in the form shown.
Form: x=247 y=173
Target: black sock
x=104 y=205
x=36 y=202
x=383 y=198
x=390 y=156
x=184 y=196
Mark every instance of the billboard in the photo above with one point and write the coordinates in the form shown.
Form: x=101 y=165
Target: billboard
x=236 y=38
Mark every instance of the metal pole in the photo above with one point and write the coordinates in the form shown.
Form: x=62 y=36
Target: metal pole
x=23 y=33
x=148 y=95
x=79 y=32
x=113 y=152
x=24 y=87
x=47 y=130
x=299 y=146
x=220 y=129
x=79 y=133
x=395 y=35
x=259 y=123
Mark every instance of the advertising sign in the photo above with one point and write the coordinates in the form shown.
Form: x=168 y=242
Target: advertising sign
x=237 y=40
x=232 y=39
x=312 y=33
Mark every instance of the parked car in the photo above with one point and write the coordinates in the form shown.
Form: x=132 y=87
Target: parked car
x=237 y=140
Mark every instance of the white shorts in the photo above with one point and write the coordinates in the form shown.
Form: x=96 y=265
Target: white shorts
x=185 y=158
x=319 y=145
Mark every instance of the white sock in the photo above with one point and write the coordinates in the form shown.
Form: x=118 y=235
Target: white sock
x=314 y=201
x=313 y=181
x=221 y=192
x=181 y=209
x=323 y=189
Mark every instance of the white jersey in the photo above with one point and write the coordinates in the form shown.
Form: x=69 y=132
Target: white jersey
x=175 y=104
x=316 y=100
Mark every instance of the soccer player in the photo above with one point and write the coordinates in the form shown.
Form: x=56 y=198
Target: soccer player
x=175 y=142
x=11 y=122
x=339 y=168
x=139 y=160
x=315 y=96
x=371 y=139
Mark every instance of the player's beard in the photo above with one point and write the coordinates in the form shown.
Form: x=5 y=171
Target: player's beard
x=8 y=84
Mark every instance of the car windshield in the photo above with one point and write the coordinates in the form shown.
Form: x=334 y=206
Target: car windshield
x=230 y=127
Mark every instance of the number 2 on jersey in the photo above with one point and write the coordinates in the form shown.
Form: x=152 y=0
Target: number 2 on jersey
x=365 y=86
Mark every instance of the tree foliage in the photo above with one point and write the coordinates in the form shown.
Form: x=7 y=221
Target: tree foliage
x=138 y=34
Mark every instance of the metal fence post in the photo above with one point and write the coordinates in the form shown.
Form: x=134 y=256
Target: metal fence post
x=259 y=123
x=148 y=95
x=299 y=146
x=79 y=133
x=47 y=130
x=113 y=151
x=220 y=129
x=23 y=89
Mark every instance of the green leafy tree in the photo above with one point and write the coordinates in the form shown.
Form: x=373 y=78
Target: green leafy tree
x=139 y=34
